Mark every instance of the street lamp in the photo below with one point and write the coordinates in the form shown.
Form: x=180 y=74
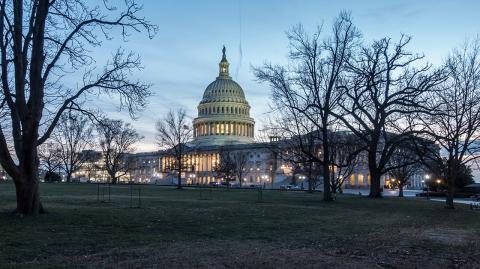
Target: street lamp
x=427 y=177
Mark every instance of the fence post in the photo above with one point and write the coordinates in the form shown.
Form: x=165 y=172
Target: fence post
x=131 y=195
x=260 y=195
x=139 y=198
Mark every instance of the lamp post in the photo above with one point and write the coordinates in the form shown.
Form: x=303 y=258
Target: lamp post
x=302 y=178
x=427 y=177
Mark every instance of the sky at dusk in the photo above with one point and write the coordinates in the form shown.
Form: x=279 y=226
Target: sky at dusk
x=182 y=59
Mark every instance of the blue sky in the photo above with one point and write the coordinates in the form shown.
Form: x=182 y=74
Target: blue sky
x=183 y=57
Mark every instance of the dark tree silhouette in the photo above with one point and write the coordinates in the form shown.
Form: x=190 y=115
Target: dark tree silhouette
x=41 y=43
x=50 y=157
x=454 y=121
x=299 y=143
x=240 y=159
x=404 y=164
x=74 y=134
x=344 y=156
x=386 y=84
x=117 y=143
x=226 y=166
x=173 y=133
x=308 y=85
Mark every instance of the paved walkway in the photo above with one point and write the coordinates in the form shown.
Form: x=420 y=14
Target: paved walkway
x=409 y=194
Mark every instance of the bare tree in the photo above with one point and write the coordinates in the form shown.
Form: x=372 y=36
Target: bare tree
x=454 y=121
x=173 y=133
x=405 y=164
x=42 y=44
x=299 y=144
x=345 y=157
x=308 y=86
x=240 y=160
x=299 y=141
x=73 y=135
x=226 y=166
x=90 y=163
x=232 y=165
x=387 y=83
x=50 y=157
x=117 y=143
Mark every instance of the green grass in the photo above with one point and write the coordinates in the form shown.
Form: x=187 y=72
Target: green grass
x=175 y=228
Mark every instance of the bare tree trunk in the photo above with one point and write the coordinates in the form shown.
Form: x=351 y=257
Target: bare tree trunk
x=327 y=195
x=310 y=179
x=375 y=175
x=450 y=190
x=179 y=177
x=400 y=190
x=449 y=198
x=69 y=177
x=375 y=179
x=26 y=186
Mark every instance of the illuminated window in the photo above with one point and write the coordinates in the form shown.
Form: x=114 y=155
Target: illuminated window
x=360 y=179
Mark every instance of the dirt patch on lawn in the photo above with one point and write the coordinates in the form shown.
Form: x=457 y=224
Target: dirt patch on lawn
x=449 y=236
x=257 y=254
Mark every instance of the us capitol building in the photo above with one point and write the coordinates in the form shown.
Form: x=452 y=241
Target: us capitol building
x=223 y=123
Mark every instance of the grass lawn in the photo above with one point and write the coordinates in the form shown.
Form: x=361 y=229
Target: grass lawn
x=175 y=228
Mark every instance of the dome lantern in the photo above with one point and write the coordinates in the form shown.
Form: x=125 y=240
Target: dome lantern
x=224 y=65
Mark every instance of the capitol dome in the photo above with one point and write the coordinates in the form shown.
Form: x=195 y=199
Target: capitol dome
x=224 y=113
x=223 y=90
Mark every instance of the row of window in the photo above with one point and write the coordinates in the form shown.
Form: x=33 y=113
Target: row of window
x=224 y=128
x=231 y=92
x=224 y=110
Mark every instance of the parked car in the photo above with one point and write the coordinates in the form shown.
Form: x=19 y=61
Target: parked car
x=289 y=187
x=214 y=184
